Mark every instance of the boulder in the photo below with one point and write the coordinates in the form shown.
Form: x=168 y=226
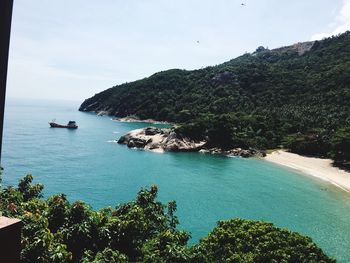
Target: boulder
x=246 y=153
x=152 y=131
x=131 y=144
x=137 y=142
x=159 y=139
x=123 y=139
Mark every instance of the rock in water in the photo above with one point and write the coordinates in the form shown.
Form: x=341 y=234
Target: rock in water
x=159 y=139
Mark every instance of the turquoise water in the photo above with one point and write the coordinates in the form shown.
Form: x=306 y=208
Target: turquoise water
x=85 y=164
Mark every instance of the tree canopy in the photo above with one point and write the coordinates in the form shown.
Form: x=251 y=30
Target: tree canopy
x=142 y=230
x=265 y=99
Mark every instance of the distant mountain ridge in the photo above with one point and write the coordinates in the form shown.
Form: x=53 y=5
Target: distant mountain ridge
x=298 y=96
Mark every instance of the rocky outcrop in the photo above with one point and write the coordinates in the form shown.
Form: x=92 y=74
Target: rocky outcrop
x=134 y=118
x=301 y=48
x=245 y=153
x=159 y=140
x=99 y=108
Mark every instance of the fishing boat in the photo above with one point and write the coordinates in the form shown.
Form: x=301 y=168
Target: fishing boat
x=70 y=125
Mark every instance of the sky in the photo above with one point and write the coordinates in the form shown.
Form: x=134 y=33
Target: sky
x=72 y=49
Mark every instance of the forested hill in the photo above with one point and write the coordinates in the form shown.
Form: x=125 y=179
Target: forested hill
x=298 y=96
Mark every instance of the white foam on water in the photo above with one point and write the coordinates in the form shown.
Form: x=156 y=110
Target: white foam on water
x=112 y=141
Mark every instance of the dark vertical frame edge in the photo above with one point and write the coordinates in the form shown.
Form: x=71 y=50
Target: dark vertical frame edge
x=5 y=31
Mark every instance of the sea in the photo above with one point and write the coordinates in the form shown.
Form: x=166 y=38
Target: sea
x=87 y=164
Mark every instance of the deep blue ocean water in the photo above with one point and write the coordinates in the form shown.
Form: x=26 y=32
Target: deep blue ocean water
x=86 y=164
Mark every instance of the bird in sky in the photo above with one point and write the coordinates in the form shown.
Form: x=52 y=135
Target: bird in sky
x=242 y=4
x=197 y=41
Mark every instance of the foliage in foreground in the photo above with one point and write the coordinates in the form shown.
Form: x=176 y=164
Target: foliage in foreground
x=142 y=230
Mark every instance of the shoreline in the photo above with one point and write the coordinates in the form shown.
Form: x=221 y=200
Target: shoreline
x=167 y=139
x=134 y=119
x=130 y=118
x=316 y=167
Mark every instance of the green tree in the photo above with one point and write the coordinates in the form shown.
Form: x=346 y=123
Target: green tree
x=142 y=230
x=245 y=241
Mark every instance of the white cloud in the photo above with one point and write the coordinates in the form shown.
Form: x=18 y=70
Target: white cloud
x=339 y=25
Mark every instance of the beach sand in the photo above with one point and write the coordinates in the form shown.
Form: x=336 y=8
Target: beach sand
x=320 y=168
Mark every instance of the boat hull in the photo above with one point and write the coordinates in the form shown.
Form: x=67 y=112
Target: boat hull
x=55 y=125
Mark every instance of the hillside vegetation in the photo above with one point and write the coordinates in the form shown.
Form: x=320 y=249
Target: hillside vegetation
x=295 y=97
x=142 y=230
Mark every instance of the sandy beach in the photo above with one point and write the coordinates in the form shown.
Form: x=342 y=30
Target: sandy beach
x=320 y=168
